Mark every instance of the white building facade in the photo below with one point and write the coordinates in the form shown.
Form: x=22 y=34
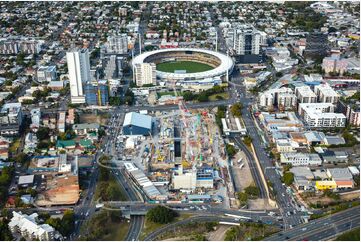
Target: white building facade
x=79 y=73
x=145 y=73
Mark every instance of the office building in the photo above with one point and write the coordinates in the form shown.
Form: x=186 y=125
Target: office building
x=334 y=64
x=351 y=109
x=321 y=115
x=190 y=179
x=283 y=97
x=305 y=95
x=353 y=114
x=116 y=44
x=300 y=159
x=79 y=73
x=35 y=119
x=286 y=101
x=145 y=73
x=28 y=227
x=326 y=94
x=13 y=46
x=46 y=74
x=266 y=99
x=97 y=93
x=61 y=122
x=11 y=119
x=247 y=40
x=113 y=66
x=184 y=179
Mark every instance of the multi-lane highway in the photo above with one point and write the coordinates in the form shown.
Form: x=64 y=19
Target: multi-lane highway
x=322 y=229
x=284 y=200
x=317 y=230
x=136 y=222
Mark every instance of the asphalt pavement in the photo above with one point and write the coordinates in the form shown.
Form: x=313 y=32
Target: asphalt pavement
x=322 y=229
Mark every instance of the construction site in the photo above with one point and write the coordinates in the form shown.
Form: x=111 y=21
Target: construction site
x=184 y=156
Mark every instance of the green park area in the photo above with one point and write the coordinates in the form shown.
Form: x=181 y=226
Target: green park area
x=188 y=66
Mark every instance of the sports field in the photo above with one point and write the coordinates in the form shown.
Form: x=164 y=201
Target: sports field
x=188 y=66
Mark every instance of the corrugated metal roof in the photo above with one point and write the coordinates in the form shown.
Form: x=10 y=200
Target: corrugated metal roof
x=137 y=119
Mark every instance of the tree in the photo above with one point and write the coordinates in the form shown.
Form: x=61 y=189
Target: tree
x=43 y=133
x=161 y=214
x=202 y=97
x=288 y=178
x=5 y=233
x=188 y=96
x=243 y=198
x=103 y=173
x=247 y=140
x=231 y=150
x=21 y=158
x=67 y=223
x=20 y=59
x=252 y=191
x=232 y=234
x=236 y=109
x=279 y=74
x=111 y=191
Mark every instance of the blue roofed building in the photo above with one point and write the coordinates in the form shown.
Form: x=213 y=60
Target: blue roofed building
x=137 y=124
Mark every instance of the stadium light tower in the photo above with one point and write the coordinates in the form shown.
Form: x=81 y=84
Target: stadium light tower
x=140 y=44
x=133 y=65
x=216 y=40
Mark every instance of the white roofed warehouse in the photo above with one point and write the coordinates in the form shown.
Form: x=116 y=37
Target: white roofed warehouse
x=137 y=124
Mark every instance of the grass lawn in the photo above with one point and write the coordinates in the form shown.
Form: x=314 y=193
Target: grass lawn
x=188 y=66
x=150 y=226
x=224 y=95
x=353 y=235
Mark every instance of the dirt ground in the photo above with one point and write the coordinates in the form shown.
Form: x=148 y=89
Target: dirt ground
x=242 y=177
x=347 y=196
x=92 y=118
x=258 y=204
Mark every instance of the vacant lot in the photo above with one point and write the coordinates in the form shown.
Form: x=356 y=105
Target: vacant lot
x=188 y=66
x=93 y=118
x=219 y=96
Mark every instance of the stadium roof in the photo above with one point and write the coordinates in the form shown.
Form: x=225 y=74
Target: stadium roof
x=137 y=119
x=226 y=64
